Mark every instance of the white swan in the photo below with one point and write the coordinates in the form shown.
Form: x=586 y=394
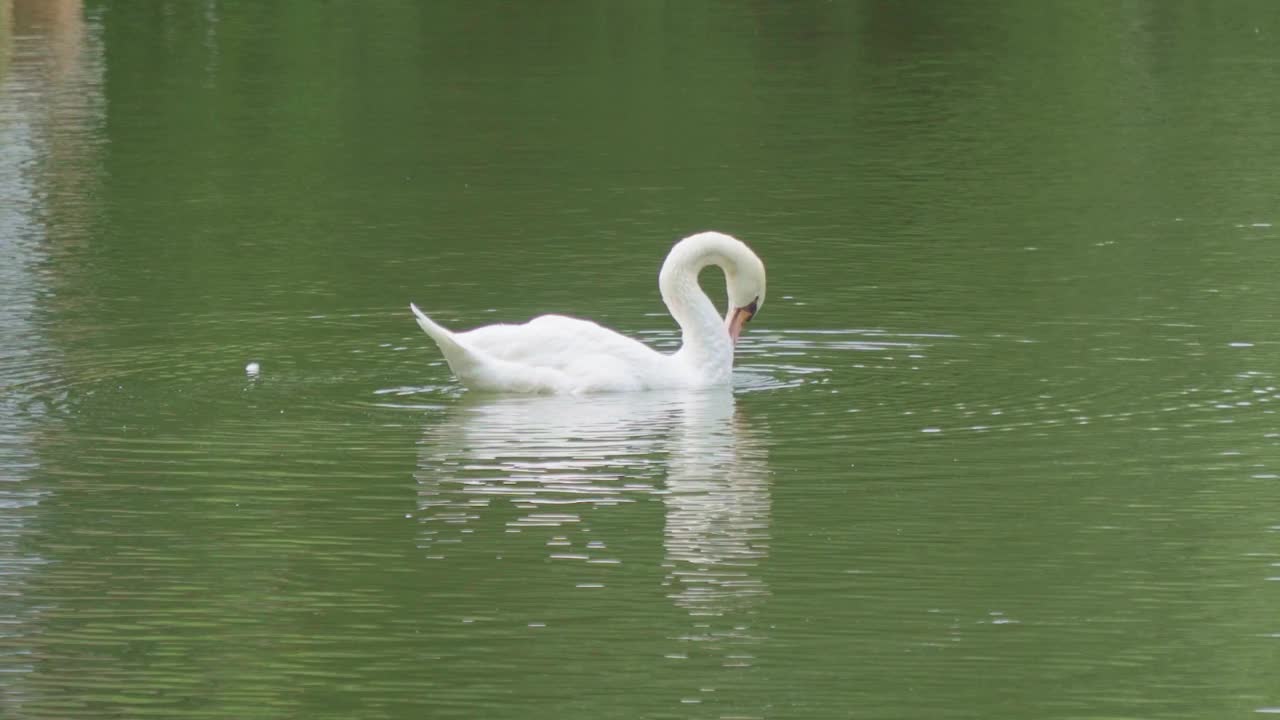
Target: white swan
x=558 y=354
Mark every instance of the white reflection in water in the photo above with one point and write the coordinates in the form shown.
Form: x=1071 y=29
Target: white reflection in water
x=717 y=509
x=553 y=460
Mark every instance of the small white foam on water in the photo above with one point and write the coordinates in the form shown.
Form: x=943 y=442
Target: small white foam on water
x=252 y=369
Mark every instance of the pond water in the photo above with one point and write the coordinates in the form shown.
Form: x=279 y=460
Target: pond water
x=1002 y=443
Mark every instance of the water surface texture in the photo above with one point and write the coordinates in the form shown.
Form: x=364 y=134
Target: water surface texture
x=1002 y=442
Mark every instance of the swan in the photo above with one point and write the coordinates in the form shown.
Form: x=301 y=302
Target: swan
x=555 y=354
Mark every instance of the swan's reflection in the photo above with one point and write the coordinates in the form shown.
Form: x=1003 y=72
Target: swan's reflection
x=717 y=508
x=553 y=459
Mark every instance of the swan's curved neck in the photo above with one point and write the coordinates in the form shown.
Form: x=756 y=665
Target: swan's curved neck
x=704 y=334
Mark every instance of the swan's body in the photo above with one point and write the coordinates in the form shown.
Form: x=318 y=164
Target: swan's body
x=558 y=354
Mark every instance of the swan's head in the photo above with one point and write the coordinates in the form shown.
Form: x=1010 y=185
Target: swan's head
x=744 y=279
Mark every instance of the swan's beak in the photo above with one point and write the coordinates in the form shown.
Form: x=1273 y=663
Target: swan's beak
x=739 y=318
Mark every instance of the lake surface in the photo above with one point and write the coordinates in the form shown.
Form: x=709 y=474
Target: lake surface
x=1002 y=443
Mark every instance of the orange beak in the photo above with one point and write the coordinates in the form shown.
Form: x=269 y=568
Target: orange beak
x=739 y=318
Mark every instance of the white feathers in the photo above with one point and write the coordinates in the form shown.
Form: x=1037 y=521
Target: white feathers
x=558 y=354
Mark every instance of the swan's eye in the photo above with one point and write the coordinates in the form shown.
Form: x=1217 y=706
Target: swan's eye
x=751 y=309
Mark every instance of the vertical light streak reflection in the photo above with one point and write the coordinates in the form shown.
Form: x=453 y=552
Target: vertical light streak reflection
x=51 y=116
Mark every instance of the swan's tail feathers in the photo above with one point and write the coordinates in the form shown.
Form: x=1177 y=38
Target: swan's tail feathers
x=461 y=359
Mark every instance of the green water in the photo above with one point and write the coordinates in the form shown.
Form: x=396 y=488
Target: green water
x=1001 y=444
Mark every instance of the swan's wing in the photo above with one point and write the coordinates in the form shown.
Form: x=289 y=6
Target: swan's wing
x=482 y=370
x=559 y=342
x=552 y=354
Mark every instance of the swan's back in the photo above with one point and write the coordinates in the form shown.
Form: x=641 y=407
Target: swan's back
x=581 y=355
x=553 y=340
